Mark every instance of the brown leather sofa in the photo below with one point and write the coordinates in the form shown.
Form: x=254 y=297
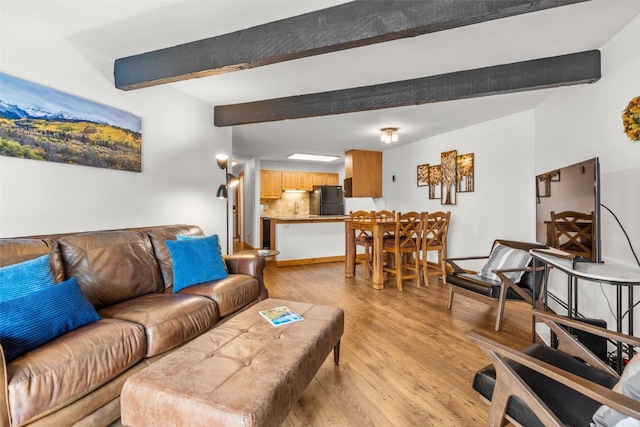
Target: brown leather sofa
x=127 y=275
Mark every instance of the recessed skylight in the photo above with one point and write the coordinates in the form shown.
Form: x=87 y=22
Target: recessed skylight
x=312 y=157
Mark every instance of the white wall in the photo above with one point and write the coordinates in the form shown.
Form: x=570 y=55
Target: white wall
x=573 y=124
x=503 y=203
x=179 y=176
x=582 y=122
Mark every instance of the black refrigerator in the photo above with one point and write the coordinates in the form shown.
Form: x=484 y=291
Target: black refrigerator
x=326 y=200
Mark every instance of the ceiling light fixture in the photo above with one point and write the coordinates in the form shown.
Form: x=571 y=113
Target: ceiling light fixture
x=389 y=135
x=312 y=157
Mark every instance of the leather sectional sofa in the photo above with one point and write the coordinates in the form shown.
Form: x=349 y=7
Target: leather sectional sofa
x=127 y=276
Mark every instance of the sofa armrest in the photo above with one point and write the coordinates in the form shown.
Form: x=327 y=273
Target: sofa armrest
x=4 y=403
x=509 y=383
x=250 y=264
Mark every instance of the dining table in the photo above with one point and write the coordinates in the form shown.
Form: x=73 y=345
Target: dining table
x=378 y=228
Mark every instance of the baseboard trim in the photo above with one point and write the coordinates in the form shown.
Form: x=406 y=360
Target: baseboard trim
x=307 y=261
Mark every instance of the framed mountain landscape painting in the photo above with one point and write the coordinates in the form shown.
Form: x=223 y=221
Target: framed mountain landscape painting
x=40 y=123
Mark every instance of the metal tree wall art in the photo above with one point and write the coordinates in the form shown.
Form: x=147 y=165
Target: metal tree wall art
x=454 y=175
x=465 y=173
x=448 y=165
x=423 y=175
x=435 y=181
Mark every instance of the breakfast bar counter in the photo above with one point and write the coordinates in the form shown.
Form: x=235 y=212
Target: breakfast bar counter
x=307 y=239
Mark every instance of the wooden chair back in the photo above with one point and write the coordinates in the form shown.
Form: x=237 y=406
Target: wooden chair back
x=385 y=215
x=408 y=230
x=574 y=233
x=404 y=247
x=435 y=227
x=363 y=238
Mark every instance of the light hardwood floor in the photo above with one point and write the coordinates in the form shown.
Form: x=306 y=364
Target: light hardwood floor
x=405 y=359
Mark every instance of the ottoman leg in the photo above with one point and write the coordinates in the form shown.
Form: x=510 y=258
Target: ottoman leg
x=336 y=353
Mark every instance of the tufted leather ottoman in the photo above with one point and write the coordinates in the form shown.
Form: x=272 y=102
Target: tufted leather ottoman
x=244 y=372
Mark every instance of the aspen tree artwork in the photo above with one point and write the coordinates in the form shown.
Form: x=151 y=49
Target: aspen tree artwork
x=40 y=123
x=454 y=174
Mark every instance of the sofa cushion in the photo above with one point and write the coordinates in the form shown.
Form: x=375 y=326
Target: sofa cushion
x=230 y=294
x=158 y=236
x=70 y=366
x=112 y=266
x=504 y=257
x=196 y=261
x=20 y=279
x=13 y=251
x=36 y=318
x=168 y=319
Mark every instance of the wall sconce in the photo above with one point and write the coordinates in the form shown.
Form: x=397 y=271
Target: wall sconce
x=223 y=191
x=389 y=135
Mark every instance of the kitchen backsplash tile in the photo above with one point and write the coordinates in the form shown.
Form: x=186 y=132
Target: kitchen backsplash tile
x=286 y=205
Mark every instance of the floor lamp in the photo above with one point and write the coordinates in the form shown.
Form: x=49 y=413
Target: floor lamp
x=230 y=181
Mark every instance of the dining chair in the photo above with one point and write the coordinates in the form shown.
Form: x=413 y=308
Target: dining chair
x=435 y=226
x=573 y=232
x=404 y=248
x=384 y=215
x=364 y=238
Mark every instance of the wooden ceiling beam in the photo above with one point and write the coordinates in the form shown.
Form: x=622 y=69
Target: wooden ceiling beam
x=349 y=25
x=565 y=70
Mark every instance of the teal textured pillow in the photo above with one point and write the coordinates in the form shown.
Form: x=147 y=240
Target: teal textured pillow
x=196 y=261
x=34 y=319
x=185 y=237
x=17 y=280
x=502 y=258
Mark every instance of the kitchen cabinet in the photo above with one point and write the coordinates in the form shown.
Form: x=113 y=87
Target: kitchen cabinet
x=273 y=183
x=270 y=184
x=332 y=179
x=320 y=178
x=297 y=181
x=363 y=173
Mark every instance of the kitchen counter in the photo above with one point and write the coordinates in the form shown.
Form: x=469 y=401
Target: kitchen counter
x=307 y=239
x=309 y=218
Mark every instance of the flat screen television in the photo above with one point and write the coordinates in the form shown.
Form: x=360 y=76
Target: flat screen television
x=574 y=188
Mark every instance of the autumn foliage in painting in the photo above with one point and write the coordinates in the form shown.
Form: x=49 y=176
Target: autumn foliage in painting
x=72 y=142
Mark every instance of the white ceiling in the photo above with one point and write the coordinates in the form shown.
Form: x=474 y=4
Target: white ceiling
x=118 y=28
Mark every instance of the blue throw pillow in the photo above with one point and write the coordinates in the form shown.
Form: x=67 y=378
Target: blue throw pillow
x=20 y=279
x=185 y=237
x=196 y=261
x=34 y=319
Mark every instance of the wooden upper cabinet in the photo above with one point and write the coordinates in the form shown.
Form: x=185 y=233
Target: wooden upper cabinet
x=270 y=184
x=321 y=178
x=273 y=183
x=297 y=181
x=332 y=179
x=363 y=173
